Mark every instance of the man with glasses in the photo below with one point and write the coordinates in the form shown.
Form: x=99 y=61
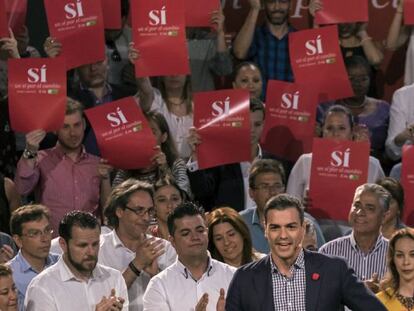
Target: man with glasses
x=266 y=45
x=32 y=233
x=266 y=179
x=130 y=211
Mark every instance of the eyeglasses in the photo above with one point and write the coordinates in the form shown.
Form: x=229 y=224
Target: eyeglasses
x=141 y=211
x=270 y=188
x=35 y=234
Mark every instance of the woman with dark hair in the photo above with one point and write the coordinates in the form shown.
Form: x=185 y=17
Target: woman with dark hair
x=247 y=75
x=8 y=292
x=398 y=285
x=392 y=218
x=229 y=238
x=166 y=163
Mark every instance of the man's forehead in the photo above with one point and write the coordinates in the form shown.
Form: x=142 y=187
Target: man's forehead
x=189 y=222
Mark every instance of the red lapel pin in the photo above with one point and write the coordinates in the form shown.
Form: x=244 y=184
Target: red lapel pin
x=315 y=276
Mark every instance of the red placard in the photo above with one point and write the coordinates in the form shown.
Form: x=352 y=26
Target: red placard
x=4 y=29
x=408 y=12
x=407 y=181
x=223 y=122
x=290 y=119
x=198 y=12
x=335 y=12
x=111 y=10
x=317 y=61
x=158 y=29
x=78 y=25
x=338 y=168
x=16 y=12
x=123 y=134
x=37 y=93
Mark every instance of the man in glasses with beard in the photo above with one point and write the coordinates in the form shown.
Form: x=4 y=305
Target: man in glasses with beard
x=77 y=281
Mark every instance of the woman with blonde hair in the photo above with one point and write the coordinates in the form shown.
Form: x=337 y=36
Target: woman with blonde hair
x=8 y=292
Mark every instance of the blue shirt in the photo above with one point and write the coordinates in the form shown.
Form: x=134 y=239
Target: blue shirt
x=271 y=54
x=23 y=273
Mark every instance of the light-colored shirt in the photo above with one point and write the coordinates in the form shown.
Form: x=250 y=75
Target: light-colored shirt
x=175 y=288
x=113 y=253
x=58 y=289
x=364 y=265
x=23 y=273
x=60 y=183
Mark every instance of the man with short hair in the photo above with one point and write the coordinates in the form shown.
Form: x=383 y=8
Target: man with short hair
x=77 y=281
x=66 y=177
x=130 y=210
x=195 y=281
x=32 y=234
x=291 y=278
x=365 y=249
x=267 y=45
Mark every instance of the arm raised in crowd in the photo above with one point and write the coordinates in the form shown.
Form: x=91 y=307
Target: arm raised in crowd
x=9 y=45
x=52 y=47
x=398 y=33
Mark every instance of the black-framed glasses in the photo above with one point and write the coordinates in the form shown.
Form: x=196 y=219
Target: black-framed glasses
x=270 y=188
x=141 y=211
x=35 y=234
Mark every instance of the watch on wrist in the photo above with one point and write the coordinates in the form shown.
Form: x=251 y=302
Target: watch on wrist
x=28 y=154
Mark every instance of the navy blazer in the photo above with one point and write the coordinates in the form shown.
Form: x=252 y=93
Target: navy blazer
x=251 y=287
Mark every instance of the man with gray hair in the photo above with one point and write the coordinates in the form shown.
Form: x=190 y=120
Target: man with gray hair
x=365 y=249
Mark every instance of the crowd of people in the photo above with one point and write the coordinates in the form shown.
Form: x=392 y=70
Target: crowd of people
x=77 y=233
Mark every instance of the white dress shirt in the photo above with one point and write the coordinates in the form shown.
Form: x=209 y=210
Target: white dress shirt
x=113 y=253
x=57 y=289
x=175 y=289
x=401 y=115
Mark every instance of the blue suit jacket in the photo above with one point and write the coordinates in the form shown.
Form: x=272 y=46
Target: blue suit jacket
x=337 y=285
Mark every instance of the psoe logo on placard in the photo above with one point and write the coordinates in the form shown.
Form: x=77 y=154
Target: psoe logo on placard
x=74 y=9
x=290 y=101
x=158 y=17
x=116 y=118
x=340 y=158
x=314 y=47
x=221 y=108
x=37 y=75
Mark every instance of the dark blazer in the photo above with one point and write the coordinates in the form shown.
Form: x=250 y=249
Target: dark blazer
x=251 y=287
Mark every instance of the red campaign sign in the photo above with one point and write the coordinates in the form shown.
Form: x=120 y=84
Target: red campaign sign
x=158 y=29
x=407 y=181
x=4 y=28
x=78 y=25
x=290 y=119
x=338 y=168
x=223 y=122
x=16 y=13
x=123 y=134
x=409 y=12
x=317 y=61
x=37 y=93
x=335 y=12
x=198 y=12
x=111 y=10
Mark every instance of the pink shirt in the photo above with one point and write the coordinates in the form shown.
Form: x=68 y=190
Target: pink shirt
x=60 y=183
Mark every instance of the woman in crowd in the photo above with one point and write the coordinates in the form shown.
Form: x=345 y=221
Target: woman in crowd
x=367 y=111
x=392 y=219
x=166 y=161
x=229 y=238
x=338 y=124
x=247 y=75
x=8 y=292
x=167 y=196
x=172 y=98
x=398 y=285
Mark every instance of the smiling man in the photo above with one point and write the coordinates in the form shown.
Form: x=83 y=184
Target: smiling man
x=291 y=278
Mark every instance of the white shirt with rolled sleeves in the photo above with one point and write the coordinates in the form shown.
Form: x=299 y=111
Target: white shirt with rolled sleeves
x=113 y=253
x=57 y=289
x=175 y=289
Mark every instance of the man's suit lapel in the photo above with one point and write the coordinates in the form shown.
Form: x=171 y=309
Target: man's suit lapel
x=263 y=286
x=314 y=275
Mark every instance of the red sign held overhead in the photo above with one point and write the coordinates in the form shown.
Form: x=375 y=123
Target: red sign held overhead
x=158 y=28
x=338 y=168
x=198 y=12
x=407 y=181
x=37 y=93
x=409 y=12
x=4 y=29
x=335 y=12
x=290 y=119
x=123 y=134
x=78 y=25
x=111 y=10
x=223 y=122
x=16 y=14
x=317 y=61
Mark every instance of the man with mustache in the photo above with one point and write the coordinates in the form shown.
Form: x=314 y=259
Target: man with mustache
x=266 y=45
x=77 y=281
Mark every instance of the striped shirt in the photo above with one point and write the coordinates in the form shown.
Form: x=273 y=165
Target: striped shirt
x=364 y=265
x=289 y=292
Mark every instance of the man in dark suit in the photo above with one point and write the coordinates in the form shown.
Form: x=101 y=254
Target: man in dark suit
x=291 y=278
